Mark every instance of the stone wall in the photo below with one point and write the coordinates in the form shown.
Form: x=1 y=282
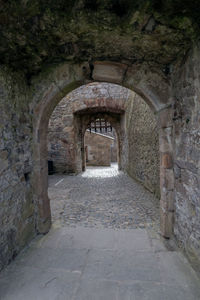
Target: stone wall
x=17 y=220
x=61 y=149
x=62 y=133
x=98 y=149
x=186 y=86
x=114 y=149
x=23 y=106
x=140 y=148
x=143 y=144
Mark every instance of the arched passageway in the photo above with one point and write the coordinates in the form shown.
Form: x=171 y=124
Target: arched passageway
x=84 y=118
x=102 y=196
x=89 y=259
x=156 y=98
x=50 y=49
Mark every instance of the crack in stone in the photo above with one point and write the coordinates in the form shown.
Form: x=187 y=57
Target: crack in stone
x=49 y=281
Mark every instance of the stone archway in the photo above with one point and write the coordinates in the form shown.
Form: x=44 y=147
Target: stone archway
x=64 y=125
x=154 y=89
x=83 y=118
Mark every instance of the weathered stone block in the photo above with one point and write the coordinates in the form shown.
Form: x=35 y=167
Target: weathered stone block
x=167 y=201
x=167 y=160
x=166 y=223
x=165 y=139
x=3 y=165
x=166 y=179
x=98 y=149
x=165 y=118
x=108 y=71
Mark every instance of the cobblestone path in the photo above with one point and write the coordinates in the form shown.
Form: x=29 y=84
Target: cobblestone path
x=103 y=198
x=108 y=261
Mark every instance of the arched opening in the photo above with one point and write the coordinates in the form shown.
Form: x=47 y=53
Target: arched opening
x=45 y=109
x=95 y=127
x=94 y=195
x=100 y=143
x=47 y=51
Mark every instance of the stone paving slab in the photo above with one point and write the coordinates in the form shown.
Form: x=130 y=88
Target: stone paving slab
x=49 y=269
x=68 y=259
x=122 y=266
x=155 y=291
x=104 y=245
x=87 y=238
x=33 y=283
x=98 y=290
x=176 y=270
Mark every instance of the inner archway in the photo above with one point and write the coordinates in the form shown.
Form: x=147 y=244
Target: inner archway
x=87 y=121
x=96 y=196
x=153 y=50
x=158 y=105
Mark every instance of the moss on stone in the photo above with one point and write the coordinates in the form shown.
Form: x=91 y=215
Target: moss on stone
x=35 y=33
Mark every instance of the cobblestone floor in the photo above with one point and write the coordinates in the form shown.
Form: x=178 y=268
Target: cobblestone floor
x=104 y=198
x=108 y=261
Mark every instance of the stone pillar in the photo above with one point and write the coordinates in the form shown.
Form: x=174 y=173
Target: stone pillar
x=166 y=171
x=40 y=180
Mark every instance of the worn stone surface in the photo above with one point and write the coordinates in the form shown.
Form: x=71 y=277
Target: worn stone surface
x=85 y=30
x=97 y=149
x=102 y=197
x=187 y=155
x=165 y=121
x=47 y=93
x=93 y=263
x=48 y=49
x=143 y=144
x=17 y=217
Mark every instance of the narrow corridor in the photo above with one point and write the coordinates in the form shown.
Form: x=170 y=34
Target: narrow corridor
x=104 y=244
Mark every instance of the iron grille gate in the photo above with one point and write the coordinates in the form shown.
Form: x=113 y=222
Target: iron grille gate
x=100 y=125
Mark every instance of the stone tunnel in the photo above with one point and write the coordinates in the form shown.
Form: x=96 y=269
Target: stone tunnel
x=136 y=65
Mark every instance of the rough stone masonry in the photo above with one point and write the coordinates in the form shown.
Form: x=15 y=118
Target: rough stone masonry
x=140 y=149
x=49 y=49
